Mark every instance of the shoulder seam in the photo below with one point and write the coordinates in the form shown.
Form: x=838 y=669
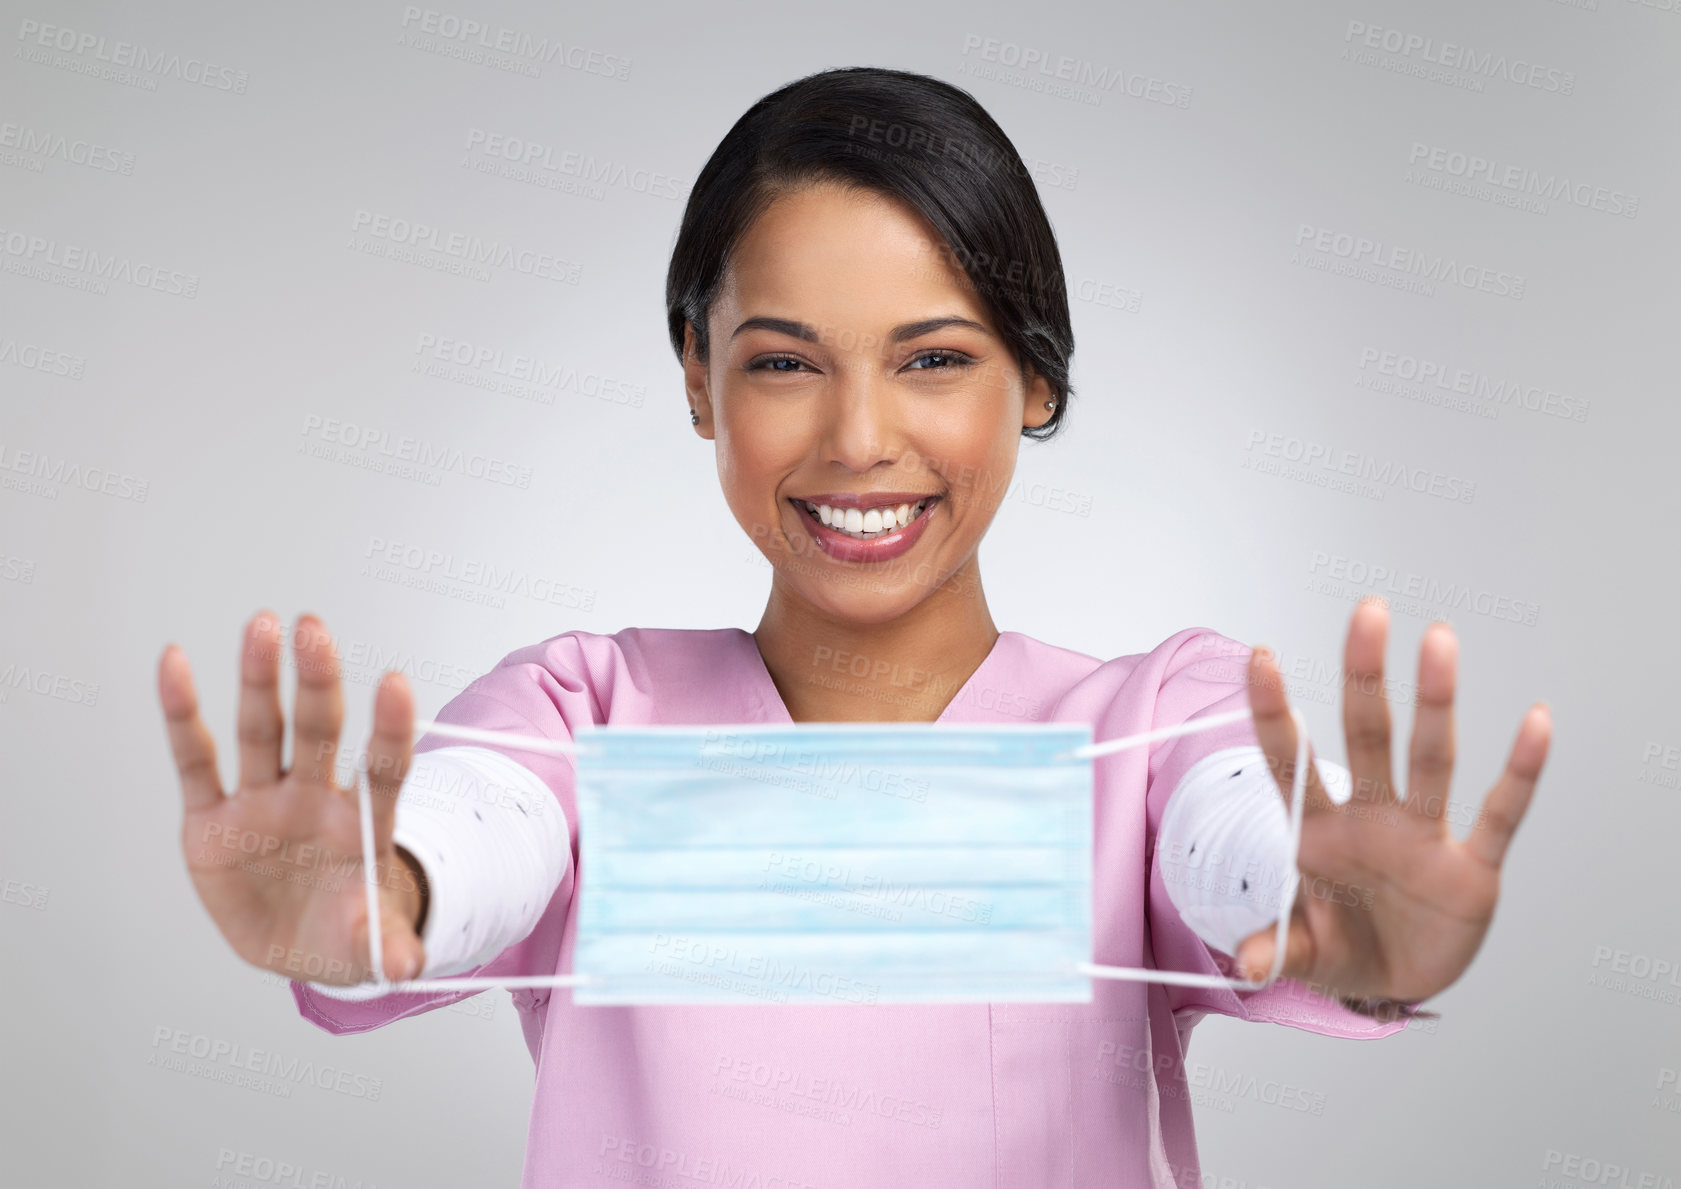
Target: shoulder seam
x=515 y=710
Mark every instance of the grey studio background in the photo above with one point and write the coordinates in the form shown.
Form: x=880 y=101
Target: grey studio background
x=1377 y=297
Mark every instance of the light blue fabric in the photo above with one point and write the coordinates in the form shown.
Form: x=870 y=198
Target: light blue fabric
x=834 y=863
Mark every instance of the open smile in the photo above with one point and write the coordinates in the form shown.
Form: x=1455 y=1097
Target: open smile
x=855 y=532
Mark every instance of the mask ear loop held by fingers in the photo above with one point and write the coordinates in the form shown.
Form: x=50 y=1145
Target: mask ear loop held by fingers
x=380 y=985
x=1298 y=796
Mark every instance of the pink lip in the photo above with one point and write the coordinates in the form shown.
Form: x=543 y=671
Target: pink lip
x=865 y=499
x=844 y=548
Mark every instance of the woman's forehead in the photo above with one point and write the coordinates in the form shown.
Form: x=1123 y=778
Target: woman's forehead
x=852 y=255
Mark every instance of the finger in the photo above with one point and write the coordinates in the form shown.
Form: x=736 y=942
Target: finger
x=1255 y=953
x=318 y=711
x=1505 y=804
x=389 y=750
x=1275 y=730
x=402 y=954
x=189 y=738
x=1365 y=711
x=1430 y=758
x=262 y=730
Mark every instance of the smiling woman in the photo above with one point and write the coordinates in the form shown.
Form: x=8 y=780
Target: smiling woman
x=833 y=295
x=869 y=309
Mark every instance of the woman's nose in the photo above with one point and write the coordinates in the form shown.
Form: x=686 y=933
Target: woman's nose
x=860 y=421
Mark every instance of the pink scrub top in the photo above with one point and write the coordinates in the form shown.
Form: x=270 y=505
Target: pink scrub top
x=768 y=1096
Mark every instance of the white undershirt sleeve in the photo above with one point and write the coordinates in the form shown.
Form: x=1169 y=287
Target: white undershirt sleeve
x=1223 y=844
x=493 y=843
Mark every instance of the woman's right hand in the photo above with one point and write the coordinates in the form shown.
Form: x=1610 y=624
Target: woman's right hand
x=278 y=863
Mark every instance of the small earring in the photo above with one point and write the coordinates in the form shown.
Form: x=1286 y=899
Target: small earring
x=1050 y=404
x=694 y=417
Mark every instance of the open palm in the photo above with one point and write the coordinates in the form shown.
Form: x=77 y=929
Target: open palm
x=278 y=863
x=1390 y=905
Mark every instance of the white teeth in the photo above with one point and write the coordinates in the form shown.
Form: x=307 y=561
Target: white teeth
x=864 y=525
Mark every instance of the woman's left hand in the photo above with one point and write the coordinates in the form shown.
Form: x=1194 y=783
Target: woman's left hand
x=1390 y=905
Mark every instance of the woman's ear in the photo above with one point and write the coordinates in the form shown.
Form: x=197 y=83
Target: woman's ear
x=1038 y=392
x=696 y=383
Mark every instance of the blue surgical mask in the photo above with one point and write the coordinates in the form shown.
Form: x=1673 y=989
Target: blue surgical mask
x=835 y=863
x=849 y=863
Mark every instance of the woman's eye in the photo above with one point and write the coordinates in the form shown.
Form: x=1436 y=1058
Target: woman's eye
x=772 y=364
x=939 y=361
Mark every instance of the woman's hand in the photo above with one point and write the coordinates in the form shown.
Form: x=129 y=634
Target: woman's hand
x=1389 y=906
x=278 y=863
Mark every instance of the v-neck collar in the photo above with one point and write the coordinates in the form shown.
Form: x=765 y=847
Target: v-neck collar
x=774 y=709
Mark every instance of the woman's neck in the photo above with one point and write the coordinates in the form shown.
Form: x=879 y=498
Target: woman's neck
x=905 y=670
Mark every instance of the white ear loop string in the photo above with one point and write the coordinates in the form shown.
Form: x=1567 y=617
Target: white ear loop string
x=1298 y=791
x=380 y=985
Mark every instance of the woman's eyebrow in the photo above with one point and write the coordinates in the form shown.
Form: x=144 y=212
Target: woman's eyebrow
x=898 y=334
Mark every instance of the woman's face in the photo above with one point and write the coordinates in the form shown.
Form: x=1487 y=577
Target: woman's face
x=852 y=362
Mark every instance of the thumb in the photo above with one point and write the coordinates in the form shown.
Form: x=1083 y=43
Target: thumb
x=390 y=751
x=402 y=953
x=405 y=953
x=1255 y=953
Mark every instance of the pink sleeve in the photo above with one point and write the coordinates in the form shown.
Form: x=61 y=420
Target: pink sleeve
x=1205 y=675
x=541 y=689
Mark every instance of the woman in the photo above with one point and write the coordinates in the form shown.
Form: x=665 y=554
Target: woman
x=869 y=308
